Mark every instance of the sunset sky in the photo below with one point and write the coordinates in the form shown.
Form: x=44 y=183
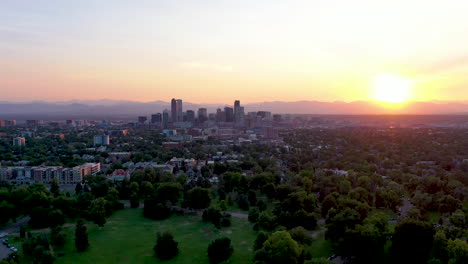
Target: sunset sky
x=217 y=51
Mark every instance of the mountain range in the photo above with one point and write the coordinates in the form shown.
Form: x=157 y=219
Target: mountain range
x=113 y=109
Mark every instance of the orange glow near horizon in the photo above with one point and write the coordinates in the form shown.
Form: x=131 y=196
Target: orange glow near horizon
x=202 y=52
x=391 y=89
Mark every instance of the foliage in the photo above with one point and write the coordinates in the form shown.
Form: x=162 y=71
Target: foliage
x=81 y=236
x=166 y=247
x=220 y=250
x=279 y=248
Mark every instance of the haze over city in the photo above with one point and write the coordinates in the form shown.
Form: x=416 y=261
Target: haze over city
x=214 y=51
x=234 y=131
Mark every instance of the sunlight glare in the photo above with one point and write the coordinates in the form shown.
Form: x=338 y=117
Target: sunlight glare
x=391 y=88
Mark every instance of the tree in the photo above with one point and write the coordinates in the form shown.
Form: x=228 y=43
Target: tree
x=98 y=211
x=153 y=209
x=223 y=205
x=134 y=186
x=166 y=247
x=57 y=238
x=78 y=188
x=220 y=250
x=458 y=251
x=134 y=201
x=198 y=198
x=278 y=249
x=243 y=202
x=81 y=236
x=212 y=215
x=56 y=218
x=146 y=189
x=169 y=191
x=261 y=238
x=55 y=188
x=458 y=218
x=262 y=206
x=412 y=241
x=6 y=212
x=300 y=235
x=254 y=213
x=22 y=232
x=252 y=197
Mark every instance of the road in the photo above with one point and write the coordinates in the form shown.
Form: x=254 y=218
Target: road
x=405 y=207
x=4 y=250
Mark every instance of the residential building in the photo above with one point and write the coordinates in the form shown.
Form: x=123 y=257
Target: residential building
x=19 y=141
x=101 y=140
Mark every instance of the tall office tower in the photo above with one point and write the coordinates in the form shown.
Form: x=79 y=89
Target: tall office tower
x=156 y=118
x=220 y=115
x=277 y=118
x=142 y=119
x=264 y=115
x=165 y=118
x=177 y=114
x=202 y=115
x=239 y=116
x=19 y=141
x=180 y=112
x=190 y=116
x=236 y=103
x=174 y=110
x=229 y=112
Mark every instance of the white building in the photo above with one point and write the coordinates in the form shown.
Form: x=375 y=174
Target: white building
x=19 y=141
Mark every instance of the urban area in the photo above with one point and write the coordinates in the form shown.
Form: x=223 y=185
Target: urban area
x=236 y=187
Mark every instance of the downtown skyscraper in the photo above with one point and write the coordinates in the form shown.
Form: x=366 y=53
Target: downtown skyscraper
x=177 y=114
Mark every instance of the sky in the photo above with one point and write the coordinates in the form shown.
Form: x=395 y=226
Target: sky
x=217 y=51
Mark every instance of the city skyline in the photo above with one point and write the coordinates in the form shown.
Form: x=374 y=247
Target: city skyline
x=210 y=52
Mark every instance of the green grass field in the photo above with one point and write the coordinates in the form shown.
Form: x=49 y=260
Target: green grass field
x=128 y=237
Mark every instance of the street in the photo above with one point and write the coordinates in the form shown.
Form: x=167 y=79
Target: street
x=4 y=250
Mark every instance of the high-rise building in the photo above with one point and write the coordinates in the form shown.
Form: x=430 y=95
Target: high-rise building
x=202 y=115
x=180 y=112
x=220 y=115
x=177 y=114
x=264 y=115
x=190 y=116
x=173 y=110
x=277 y=118
x=229 y=113
x=239 y=115
x=101 y=140
x=142 y=119
x=19 y=141
x=156 y=118
x=165 y=119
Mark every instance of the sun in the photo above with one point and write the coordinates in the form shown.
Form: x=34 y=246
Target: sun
x=391 y=88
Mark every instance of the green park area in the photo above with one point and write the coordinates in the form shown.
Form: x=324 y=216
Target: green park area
x=128 y=237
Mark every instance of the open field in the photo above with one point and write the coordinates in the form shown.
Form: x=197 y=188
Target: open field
x=128 y=237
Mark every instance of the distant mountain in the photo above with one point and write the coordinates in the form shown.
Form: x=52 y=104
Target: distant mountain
x=110 y=109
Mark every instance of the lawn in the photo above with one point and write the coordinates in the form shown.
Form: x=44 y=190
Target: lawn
x=320 y=248
x=128 y=237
